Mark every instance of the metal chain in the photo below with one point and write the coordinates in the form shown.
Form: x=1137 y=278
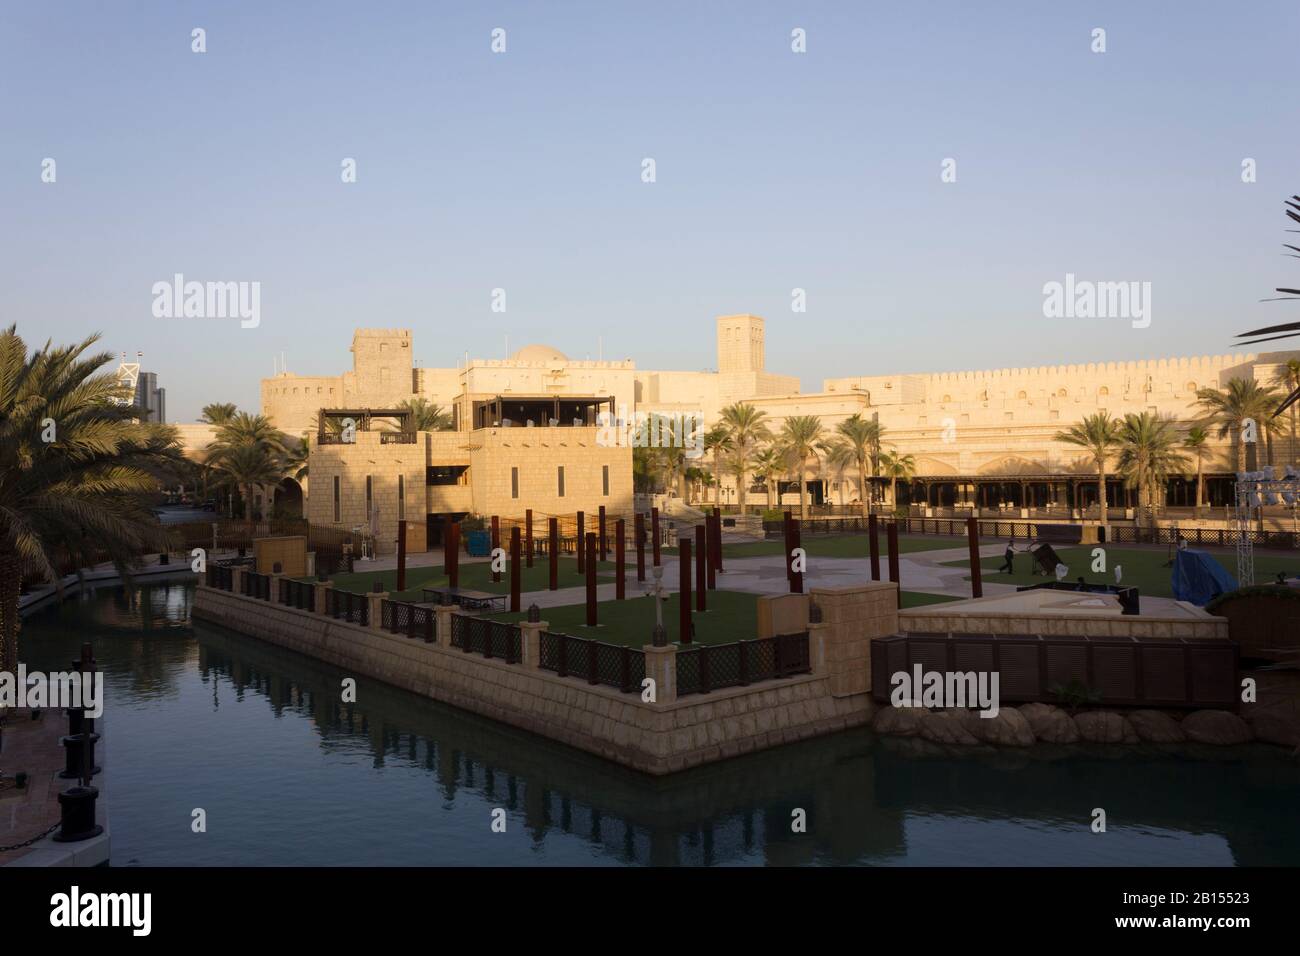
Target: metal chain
x=27 y=843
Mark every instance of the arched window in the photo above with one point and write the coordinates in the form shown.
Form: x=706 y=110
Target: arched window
x=1191 y=386
x=1103 y=390
x=1021 y=394
x=1061 y=393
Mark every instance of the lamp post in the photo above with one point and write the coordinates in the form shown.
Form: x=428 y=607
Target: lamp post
x=659 y=635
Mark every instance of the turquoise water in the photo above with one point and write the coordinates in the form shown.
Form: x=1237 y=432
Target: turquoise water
x=200 y=717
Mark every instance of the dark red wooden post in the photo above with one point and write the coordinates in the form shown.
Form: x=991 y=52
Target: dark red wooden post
x=654 y=534
x=620 y=561
x=787 y=533
x=710 y=543
x=604 y=540
x=553 y=552
x=872 y=530
x=715 y=549
x=528 y=537
x=515 y=570
x=973 y=534
x=581 y=547
x=796 y=542
x=453 y=556
x=401 y=555
x=496 y=543
x=893 y=558
x=638 y=530
x=590 y=566
x=684 y=589
x=701 y=558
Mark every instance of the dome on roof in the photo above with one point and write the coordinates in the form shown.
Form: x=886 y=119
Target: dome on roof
x=539 y=353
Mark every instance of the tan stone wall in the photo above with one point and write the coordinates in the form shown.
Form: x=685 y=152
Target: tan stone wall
x=1061 y=625
x=352 y=464
x=654 y=738
x=851 y=618
x=538 y=453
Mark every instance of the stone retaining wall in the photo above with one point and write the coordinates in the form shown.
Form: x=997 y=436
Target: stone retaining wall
x=656 y=738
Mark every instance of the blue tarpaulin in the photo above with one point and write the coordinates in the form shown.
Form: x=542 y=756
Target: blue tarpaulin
x=1199 y=578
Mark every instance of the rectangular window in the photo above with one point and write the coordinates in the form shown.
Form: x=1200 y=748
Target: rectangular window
x=560 y=473
x=514 y=482
x=401 y=497
x=336 y=499
x=604 y=478
x=369 y=497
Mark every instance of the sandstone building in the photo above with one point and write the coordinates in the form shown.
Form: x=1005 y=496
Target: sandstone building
x=982 y=439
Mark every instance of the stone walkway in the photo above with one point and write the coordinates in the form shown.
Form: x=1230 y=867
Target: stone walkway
x=30 y=746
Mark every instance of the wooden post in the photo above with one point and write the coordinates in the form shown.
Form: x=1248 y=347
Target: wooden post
x=604 y=540
x=401 y=555
x=715 y=549
x=684 y=589
x=873 y=529
x=787 y=534
x=528 y=537
x=620 y=561
x=553 y=552
x=581 y=547
x=892 y=531
x=496 y=543
x=638 y=530
x=654 y=534
x=453 y=556
x=796 y=541
x=515 y=570
x=701 y=558
x=590 y=566
x=973 y=534
x=710 y=542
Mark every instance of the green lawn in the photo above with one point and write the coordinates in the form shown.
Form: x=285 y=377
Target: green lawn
x=839 y=546
x=921 y=599
x=1143 y=569
x=474 y=577
x=732 y=616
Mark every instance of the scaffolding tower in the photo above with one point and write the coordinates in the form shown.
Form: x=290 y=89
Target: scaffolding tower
x=1254 y=490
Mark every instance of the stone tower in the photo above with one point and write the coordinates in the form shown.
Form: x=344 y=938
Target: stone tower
x=740 y=343
x=381 y=362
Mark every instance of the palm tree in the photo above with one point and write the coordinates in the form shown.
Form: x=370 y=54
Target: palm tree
x=1292 y=373
x=1098 y=434
x=218 y=413
x=1196 y=441
x=250 y=465
x=747 y=432
x=76 y=473
x=768 y=467
x=895 y=467
x=717 y=441
x=801 y=435
x=1148 y=454
x=863 y=437
x=425 y=416
x=840 y=457
x=1228 y=411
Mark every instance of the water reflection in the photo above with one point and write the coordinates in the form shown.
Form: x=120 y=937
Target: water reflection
x=201 y=716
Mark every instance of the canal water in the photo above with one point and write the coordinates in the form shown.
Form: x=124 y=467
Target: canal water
x=200 y=717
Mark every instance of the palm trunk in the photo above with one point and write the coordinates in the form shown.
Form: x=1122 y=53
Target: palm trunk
x=862 y=487
x=1101 y=491
x=740 y=490
x=10 y=584
x=893 y=494
x=1200 y=494
x=1241 y=450
x=248 y=503
x=803 y=494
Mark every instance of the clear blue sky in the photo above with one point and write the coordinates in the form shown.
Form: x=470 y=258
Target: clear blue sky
x=522 y=171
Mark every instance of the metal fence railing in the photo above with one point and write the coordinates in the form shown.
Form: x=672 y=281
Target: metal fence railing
x=413 y=620
x=710 y=667
x=480 y=635
x=346 y=606
x=256 y=585
x=593 y=661
x=299 y=594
